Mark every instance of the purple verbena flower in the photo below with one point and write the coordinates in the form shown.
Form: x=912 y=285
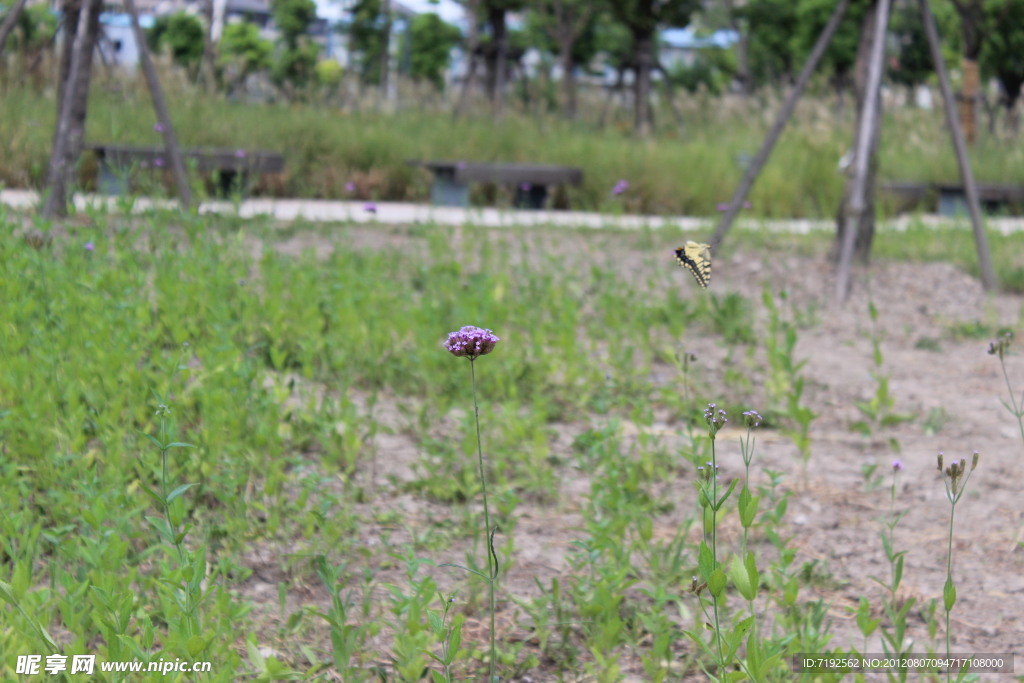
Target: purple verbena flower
x=89 y=246
x=158 y=162
x=716 y=419
x=350 y=187
x=620 y=187
x=370 y=207
x=470 y=342
x=897 y=465
x=752 y=418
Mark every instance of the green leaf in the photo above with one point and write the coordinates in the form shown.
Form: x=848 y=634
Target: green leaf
x=748 y=508
x=156 y=441
x=179 y=444
x=157 y=499
x=705 y=561
x=725 y=496
x=716 y=582
x=752 y=574
x=754 y=660
x=455 y=641
x=195 y=646
x=738 y=574
x=159 y=525
x=178 y=491
x=949 y=594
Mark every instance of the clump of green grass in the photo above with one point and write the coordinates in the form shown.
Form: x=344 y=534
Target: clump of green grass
x=328 y=152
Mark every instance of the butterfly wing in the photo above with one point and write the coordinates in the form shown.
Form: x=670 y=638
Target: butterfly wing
x=696 y=258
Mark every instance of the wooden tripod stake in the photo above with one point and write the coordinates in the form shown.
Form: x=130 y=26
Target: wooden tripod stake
x=57 y=170
x=860 y=187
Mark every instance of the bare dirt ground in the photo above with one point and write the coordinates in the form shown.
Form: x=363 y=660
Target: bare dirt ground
x=832 y=517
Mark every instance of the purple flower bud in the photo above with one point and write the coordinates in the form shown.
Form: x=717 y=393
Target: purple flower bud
x=370 y=207
x=470 y=342
x=89 y=246
x=897 y=465
x=620 y=187
x=350 y=187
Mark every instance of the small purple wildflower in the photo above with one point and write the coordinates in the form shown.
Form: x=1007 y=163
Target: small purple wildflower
x=470 y=342
x=350 y=187
x=159 y=127
x=752 y=418
x=715 y=419
x=240 y=153
x=89 y=246
x=370 y=207
x=897 y=465
x=158 y=162
x=620 y=187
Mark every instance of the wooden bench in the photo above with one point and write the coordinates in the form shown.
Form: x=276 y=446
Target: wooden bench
x=233 y=165
x=531 y=181
x=951 y=199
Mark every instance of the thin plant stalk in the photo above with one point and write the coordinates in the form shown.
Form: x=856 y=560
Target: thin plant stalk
x=492 y=569
x=955 y=478
x=1018 y=411
x=471 y=342
x=714 y=545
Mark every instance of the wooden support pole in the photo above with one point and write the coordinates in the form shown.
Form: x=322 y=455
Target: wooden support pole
x=761 y=158
x=9 y=22
x=868 y=122
x=56 y=173
x=988 y=278
x=160 y=105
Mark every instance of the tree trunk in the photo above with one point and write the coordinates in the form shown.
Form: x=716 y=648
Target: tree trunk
x=568 y=77
x=969 y=99
x=500 y=36
x=82 y=30
x=473 y=44
x=206 y=67
x=10 y=21
x=866 y=223
x=385 y=50
x=160 y=106
x=972 y=22
x=643 y=49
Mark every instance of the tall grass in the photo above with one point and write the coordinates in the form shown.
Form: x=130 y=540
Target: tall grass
x=685 y=169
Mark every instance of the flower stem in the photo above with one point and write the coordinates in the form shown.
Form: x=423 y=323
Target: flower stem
x=492 y=569
x=1017 y=412
x=714 y=546
x=949 y=576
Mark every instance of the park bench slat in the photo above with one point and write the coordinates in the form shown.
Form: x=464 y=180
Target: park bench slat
x=951 y=197
x=451 y=180
x=117 y=160
x=205 y=159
